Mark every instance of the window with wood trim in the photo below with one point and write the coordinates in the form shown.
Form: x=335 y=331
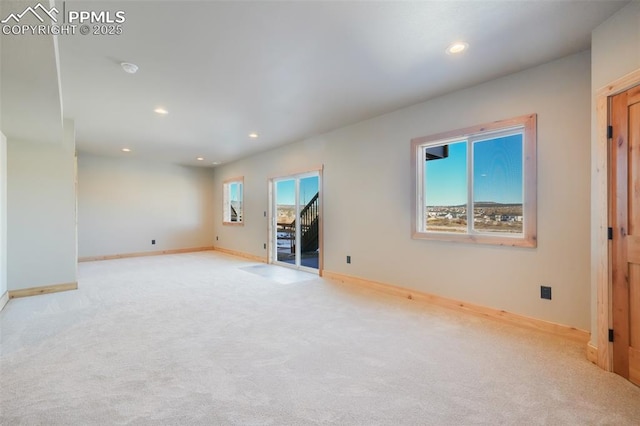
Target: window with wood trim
x=477 y=184
x=233 y=206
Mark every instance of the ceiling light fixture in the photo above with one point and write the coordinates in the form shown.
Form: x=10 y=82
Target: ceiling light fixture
x=457 y=47
x=126 y=150
x=200 y=158
x=161 y=111
x=253 y=135
x=215 y=163
x=129 y=68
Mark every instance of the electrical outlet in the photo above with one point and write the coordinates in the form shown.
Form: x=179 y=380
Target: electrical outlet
x=153 y=241
x=348 y=259
x=545 y=292
x=216 y=238
x=265 y=246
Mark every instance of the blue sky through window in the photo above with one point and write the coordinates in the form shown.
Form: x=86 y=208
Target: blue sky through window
x=446 y=178
x=285 y=190
x=235 y=191
x=497 y=173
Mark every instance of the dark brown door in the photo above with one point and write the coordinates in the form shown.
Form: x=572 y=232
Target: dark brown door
x=625 y=221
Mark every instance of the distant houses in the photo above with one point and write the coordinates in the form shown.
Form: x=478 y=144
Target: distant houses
x=496 y=213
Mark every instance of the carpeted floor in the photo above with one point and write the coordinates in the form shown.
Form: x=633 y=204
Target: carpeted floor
x=197 y=339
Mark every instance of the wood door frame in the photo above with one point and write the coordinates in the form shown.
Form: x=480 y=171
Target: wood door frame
x=270 y=228
x=601 y=249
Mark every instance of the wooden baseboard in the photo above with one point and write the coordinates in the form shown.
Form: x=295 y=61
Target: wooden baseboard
x=249 y=256
x=634 y=365
x=35 y=291
x=141 y=254
x=497 y=314
x=4 y=300
x=592 y=353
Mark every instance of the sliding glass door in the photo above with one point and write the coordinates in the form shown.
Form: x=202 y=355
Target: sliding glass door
x=296 y=221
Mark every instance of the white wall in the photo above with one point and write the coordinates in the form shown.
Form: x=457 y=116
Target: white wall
x=41 y=228
x=3 y=216
x=615 y=47
x=368 y=197
x=3 y=207
x=124 y=203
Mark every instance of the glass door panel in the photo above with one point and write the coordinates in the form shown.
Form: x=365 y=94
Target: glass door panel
x=285 y=214
x=297 y=221
x=309 y=222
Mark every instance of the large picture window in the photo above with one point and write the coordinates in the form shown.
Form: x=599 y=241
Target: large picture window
x=477 y=184
x=233 y=210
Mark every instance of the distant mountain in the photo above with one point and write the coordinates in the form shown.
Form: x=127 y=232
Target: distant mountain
x=494 y=204
x=482 y=204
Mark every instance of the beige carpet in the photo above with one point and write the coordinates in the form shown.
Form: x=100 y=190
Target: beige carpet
x=194 y=339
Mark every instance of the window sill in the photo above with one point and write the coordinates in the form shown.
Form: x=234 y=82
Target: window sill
x=530 y=242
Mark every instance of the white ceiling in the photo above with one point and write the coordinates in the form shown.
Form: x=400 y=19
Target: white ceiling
x=291 y=70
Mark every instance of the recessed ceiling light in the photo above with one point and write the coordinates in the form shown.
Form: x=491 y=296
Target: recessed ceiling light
x=129 y=68
x=200 y=158
x=161 y=111
x=215 y=163
x=457 y=47
x=126 y=150
x=253 y=135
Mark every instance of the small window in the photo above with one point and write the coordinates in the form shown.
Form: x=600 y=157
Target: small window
x=477 y=184
x=233 y=204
